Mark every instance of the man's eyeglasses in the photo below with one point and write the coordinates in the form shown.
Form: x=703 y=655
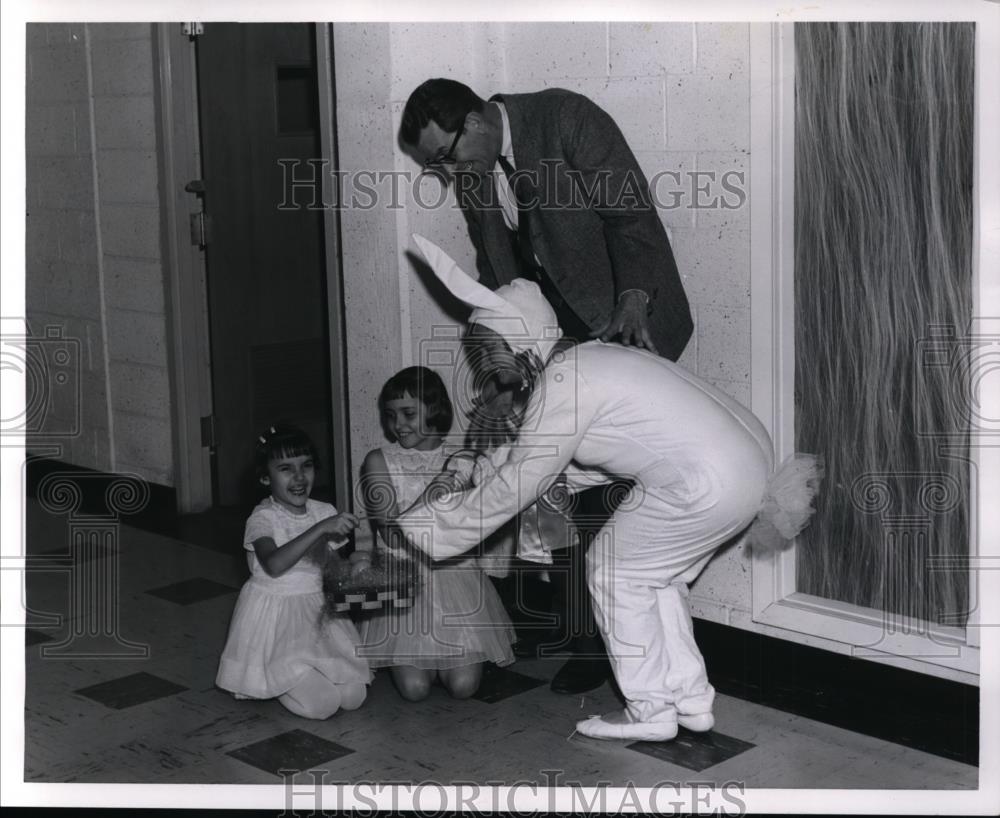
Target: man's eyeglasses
x=447 y=158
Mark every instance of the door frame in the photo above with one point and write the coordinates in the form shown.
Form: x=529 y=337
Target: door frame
x=185 y=272
x=189 y=361
x=950 y=652
x=341 y=468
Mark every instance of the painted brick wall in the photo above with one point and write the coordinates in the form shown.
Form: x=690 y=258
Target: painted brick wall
x=62 y=291
x=94 y=260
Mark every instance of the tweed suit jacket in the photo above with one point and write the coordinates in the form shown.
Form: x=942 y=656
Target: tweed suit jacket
x=593 y=228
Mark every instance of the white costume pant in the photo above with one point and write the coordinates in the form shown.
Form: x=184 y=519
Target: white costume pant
x=638 y=570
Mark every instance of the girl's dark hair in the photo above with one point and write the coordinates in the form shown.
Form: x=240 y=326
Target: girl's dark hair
x=426 y=386
x=443 y=101
x=282 y=440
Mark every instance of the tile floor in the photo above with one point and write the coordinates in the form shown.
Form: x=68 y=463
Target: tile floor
x=125 y=694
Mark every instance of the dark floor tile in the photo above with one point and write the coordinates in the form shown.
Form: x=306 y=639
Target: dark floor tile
x=192 y=590
x=499 y=684
x=220 y=529
x=33 y=637
x=296 y=750
x=694 y=751
x=128 y=691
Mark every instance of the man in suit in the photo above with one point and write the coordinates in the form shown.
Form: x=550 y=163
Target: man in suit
x=551 y=191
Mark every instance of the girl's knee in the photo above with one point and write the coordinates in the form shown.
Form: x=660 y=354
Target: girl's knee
x=323 y=710
x=352 y=696
x=463 y=682
x=413 y=684
x=313 y=707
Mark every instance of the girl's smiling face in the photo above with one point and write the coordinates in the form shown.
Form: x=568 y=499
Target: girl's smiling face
x=291 y=481
x=405 y=419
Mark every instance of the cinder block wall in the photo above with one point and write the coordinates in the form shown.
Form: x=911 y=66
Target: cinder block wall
x=93 y=253
x=680 y=93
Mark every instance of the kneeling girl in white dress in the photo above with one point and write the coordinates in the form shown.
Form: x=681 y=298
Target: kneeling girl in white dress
x=457 y=622
x=280 y=645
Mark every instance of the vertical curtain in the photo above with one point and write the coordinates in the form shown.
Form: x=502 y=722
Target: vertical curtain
x=883 y=298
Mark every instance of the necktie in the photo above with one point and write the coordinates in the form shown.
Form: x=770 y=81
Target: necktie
x=525 y=248
x=571 y=325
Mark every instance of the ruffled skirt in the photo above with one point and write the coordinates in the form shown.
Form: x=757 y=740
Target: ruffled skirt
x=456 y=619
x=276 y=636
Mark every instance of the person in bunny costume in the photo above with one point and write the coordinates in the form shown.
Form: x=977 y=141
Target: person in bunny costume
x=702 y=465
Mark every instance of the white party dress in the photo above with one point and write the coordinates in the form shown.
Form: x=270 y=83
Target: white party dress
x=457 y=617
x=278 y=630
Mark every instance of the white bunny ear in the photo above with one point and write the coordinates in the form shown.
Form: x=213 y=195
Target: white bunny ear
x=458 y=282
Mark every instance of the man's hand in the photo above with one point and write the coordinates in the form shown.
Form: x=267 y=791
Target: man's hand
x=628 y=323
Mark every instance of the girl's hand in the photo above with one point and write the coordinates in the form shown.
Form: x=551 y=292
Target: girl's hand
x=340 y=525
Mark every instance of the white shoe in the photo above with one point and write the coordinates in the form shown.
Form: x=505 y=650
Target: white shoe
x=599 y=727
x=698 y=723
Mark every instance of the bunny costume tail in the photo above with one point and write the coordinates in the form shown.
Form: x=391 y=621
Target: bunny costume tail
x=787 y=506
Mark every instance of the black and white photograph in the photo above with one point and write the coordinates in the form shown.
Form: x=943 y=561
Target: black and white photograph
x=473 y=407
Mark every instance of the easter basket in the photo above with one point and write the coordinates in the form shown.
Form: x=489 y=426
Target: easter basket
x=389 y=582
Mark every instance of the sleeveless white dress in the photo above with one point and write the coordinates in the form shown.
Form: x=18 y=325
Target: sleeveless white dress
x=457 y=617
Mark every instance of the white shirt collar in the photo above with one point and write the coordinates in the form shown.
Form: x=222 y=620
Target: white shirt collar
x=507 y=204
x=506 y=145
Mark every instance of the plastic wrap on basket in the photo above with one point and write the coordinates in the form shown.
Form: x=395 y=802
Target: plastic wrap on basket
x=388 y=582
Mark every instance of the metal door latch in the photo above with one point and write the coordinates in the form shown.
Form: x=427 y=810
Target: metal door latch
x=201 y=225
x=208 y=438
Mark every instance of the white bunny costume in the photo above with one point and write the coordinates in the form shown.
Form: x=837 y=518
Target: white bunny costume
x=701 y=464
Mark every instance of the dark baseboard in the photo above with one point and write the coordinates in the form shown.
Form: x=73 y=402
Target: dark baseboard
x=904 y=707
x=93 y=486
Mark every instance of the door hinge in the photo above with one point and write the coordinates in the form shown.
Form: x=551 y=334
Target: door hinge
x=201 y=225
x=192 y=30
x=208 y=438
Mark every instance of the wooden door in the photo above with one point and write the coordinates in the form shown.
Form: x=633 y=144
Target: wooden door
x=258 y=104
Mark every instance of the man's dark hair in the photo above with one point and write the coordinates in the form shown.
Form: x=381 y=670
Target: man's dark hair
x=443 y=101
